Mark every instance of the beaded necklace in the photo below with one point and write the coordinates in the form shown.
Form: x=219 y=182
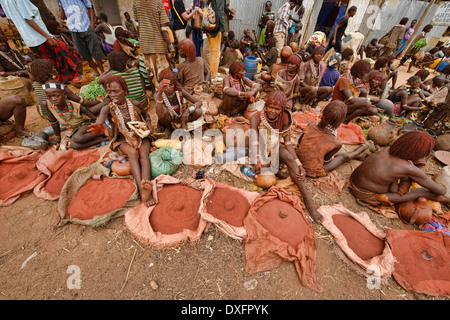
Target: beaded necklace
x=271 y=130
x=63 y=114
x=119 y=115
x=169 y=105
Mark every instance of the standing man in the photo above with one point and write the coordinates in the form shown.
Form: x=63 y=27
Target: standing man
x=154 y=37
x=282 y=23
x=396 y=34
x=79 y=16
x=181 y=17
x=28 y=21
x=339 y=31
x=215 y=36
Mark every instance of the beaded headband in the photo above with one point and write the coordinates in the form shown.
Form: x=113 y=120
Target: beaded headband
x=414 y=82
x=53 y=86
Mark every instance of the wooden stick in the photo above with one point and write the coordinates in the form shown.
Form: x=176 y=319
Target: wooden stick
x=129 y=267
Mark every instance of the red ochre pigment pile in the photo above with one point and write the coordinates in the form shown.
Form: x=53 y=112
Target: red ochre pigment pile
x=363 y=243
x=56 y=182
x=283 y=221
x=99 y=197
x=16 y=176
x=228 y=205
x=177 y=209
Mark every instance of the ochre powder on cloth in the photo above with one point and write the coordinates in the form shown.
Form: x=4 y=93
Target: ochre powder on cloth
x=177 y=209
x=228 y=205
x=359 y=239
x=56 y=182
x=15 y=176
x=99 y=197
x=283 y=221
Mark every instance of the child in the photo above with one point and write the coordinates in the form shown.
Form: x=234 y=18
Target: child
x=74 y=116
x=246 y=41
x=120 y=111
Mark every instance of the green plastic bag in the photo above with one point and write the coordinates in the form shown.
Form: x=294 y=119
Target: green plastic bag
x=165 y=161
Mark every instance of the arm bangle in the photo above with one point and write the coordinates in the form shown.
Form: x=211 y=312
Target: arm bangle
x=297 y=161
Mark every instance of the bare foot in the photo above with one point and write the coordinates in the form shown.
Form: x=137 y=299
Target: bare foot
x=23 y=133
x=146 y=193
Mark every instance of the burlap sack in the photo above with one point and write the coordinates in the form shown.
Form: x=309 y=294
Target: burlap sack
x=137 y=219
x=234 y=231
x=18 y=173
x=423 y=263
x=53 y=161
x=265 y=251
x=384 y=262
x=15 y=86
x=76 y=182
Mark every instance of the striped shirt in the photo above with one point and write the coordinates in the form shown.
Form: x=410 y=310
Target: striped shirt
x=151 y=15
x=133 y=80
x=78 y=19
x=282 y=18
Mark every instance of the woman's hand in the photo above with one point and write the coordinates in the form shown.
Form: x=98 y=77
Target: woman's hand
x=164 y=85
x=98 y=128
x=301 y=175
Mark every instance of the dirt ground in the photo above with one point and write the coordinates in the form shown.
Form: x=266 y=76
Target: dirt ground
x=36 y=256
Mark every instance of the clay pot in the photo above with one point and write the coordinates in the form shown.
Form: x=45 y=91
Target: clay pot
x=412 y=126
x=444 y=178
x=415 y=212
x=250 y=112
x=121 y=169
x=388 y=107
x=382 y=134
x=442 y=142
x=238 y=128
x=265 y=179
x=266 y=77
x=294 y=46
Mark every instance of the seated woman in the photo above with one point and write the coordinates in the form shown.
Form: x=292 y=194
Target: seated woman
x=331 y=74
x=194 y=70
x=125 y=45
x=379 y=179
x=286 y=53
x=373 y=83
x=407 y=98
x=230 y=54
x=348 y=89
x=120 y=64
x=12 y=63
x=171 y=105
x=435 y=102
x=318 y=145
x=346 y=61
x=288 y=80
x=71 y=115
x=269 y=57
x=275 y=122
x=384 y=66
x=373 y=49
x=310 y=76
x=59 y=32
x=238 y=91
x=120 y=112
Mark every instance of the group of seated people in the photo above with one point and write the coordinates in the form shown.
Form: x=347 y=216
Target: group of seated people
x=299 y=80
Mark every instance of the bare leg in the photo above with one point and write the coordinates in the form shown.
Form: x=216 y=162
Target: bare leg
x=15 y=106
x=146 y=184
x=133 y=158
x=164 y=119
x=288 y=159
x=342 y=158
x=83 y=139
x=357 y=109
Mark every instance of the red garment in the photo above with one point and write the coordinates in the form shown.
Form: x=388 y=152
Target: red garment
x=167 y=5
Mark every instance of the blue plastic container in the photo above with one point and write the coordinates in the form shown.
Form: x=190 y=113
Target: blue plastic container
x=251 y=67
x=442 y=66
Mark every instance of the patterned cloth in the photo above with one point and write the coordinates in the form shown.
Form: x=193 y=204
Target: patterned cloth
x=18 y=11
x=282 y=18
x=65 y=59
x=435 y=225
x=77 y=17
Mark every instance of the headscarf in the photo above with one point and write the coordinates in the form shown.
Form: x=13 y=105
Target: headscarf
x=333 y=61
